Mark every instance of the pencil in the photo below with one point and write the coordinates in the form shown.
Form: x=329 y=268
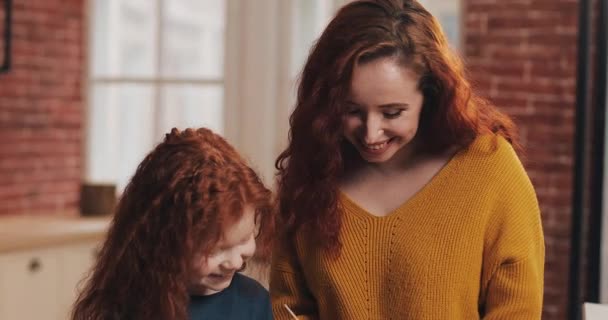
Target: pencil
x=290 y=312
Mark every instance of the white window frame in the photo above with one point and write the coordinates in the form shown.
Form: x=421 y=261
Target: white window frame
x=259 y=85
x=155 y=82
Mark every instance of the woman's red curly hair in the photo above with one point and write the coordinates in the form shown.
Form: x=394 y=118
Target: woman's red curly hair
x=181 y=197
x=363 y=31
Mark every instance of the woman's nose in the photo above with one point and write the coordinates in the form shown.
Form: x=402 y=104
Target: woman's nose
x=373 y=131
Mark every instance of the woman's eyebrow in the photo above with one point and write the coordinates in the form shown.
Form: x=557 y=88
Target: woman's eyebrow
x=383 y=106
x=394 y=105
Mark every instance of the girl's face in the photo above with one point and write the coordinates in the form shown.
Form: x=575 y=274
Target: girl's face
x=383 y=110
x=213 y=273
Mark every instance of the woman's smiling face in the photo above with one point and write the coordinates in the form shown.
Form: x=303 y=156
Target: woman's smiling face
x=383 y=110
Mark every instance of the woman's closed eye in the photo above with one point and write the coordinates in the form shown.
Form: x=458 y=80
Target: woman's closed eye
x=388 y=113
x=392 y=114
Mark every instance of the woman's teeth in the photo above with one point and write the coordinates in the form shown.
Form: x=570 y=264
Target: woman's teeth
x=376 y=146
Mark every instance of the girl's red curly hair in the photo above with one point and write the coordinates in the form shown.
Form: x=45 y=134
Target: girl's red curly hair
x=181 y=197
x=362 y=31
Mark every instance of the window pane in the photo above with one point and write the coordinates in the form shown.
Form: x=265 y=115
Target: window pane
x=193 y=38
x=192 y=106
x=121 y=124
x=124 y=38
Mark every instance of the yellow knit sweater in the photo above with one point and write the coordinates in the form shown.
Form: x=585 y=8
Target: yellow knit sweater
x=469 y=245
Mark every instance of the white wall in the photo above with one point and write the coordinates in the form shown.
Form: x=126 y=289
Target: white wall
x=448 y=12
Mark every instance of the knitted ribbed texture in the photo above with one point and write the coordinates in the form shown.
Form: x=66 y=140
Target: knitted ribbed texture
x=469 y=245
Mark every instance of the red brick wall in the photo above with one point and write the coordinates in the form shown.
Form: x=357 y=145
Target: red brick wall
x=522 y=56
x=41 y=109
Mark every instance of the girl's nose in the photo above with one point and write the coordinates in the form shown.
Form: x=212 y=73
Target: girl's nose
x=235 y=262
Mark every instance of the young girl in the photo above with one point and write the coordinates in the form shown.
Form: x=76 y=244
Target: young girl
x=400 y=190
x=186 y=224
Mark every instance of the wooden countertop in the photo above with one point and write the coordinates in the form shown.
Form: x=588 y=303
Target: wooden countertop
x=34 y=232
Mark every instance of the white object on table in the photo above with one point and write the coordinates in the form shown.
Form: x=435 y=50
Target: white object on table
x=595 y=311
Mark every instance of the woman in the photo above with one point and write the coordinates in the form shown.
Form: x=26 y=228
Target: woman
x=400 y=190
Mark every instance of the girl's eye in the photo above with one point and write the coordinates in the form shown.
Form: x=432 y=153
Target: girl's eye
x=352 y=112
x=219 y=249
x=393 y=115
x=215 y=252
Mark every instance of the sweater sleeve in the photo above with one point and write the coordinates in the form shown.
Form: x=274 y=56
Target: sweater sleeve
x=513 y=267
x=288 y=286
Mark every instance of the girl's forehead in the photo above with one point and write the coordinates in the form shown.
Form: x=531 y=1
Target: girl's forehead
x=240 y=228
